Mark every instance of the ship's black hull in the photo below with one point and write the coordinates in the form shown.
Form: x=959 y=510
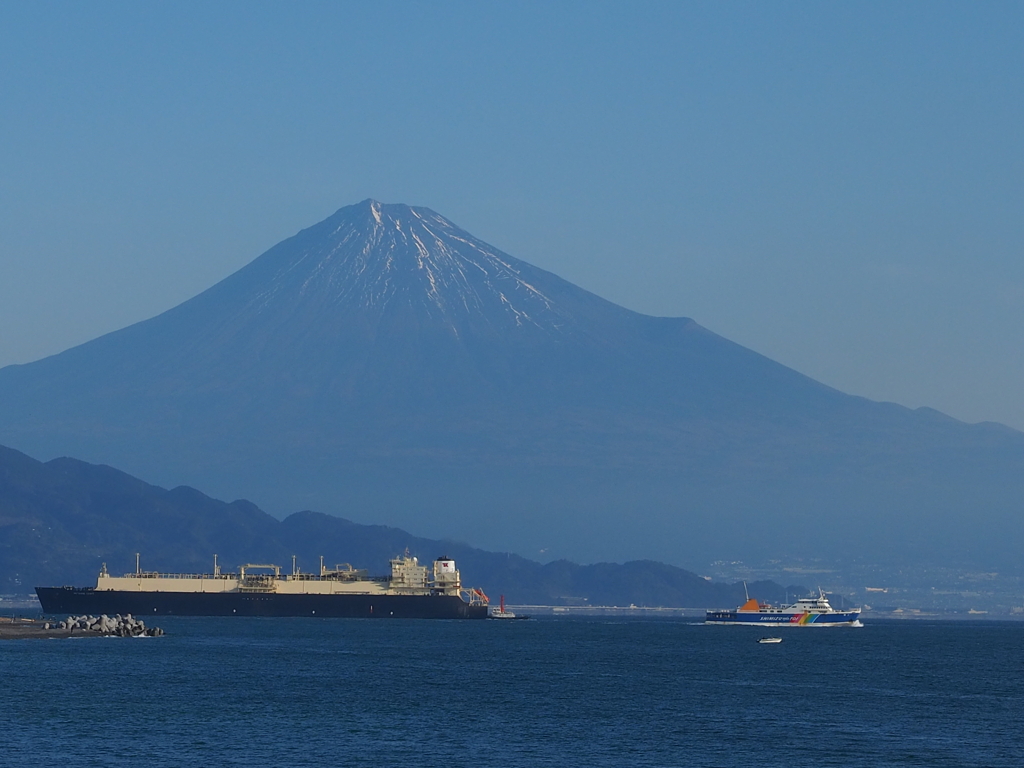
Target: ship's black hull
x=76 y=600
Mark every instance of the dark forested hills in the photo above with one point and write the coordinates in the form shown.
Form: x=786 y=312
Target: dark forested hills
x=60 y=520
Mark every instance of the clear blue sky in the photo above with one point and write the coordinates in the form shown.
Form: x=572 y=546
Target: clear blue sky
x=837 y=186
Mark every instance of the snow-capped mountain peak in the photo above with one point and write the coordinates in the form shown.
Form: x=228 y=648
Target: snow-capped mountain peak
x=387 y=258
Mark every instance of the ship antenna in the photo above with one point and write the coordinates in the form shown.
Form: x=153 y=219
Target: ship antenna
x=745 y=593
x=138 y=571
x=216 y=568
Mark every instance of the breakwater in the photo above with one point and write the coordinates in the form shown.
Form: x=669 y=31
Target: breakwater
x=78 y=626
x=122 y=626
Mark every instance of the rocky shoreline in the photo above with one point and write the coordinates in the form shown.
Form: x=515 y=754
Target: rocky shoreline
x=77 y=626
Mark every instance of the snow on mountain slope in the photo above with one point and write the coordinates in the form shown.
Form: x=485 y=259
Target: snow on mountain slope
x=401 y=254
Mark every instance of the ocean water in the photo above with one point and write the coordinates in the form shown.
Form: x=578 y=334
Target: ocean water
x=559 y=692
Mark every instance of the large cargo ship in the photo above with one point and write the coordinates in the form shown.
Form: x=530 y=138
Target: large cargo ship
x=413 y=591
x=806 y=612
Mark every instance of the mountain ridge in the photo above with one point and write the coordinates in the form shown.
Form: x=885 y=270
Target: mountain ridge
x=60 y=520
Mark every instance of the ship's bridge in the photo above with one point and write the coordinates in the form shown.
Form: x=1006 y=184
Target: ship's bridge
x=408 y=574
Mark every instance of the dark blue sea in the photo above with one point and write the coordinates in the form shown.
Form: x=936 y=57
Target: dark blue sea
x=559 y=692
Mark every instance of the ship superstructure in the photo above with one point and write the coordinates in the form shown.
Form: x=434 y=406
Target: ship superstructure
x=814 y=611
x=413 y=590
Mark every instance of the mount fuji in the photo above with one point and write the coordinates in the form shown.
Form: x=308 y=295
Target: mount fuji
x=387 y=366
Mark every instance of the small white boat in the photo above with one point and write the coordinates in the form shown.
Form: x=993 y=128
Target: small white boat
x=766 y=640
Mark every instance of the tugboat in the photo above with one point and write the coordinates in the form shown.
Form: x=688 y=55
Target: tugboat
x=502 y=613
x=812 y=611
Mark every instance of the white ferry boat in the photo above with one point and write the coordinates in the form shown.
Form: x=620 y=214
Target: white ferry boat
x=815 y=611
